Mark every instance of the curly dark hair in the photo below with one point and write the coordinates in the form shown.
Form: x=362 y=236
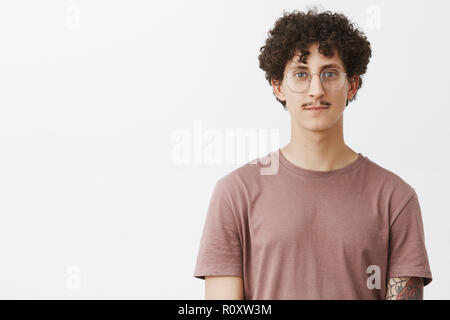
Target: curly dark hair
x=297 y=30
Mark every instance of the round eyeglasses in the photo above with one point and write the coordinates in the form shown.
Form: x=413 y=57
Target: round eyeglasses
x=331 y=79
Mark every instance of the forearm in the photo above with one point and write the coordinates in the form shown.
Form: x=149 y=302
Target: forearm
x=405 y=288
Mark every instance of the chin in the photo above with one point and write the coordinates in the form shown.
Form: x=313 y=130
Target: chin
x=317 y=125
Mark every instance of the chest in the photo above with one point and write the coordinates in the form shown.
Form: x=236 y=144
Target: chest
x=328 y=221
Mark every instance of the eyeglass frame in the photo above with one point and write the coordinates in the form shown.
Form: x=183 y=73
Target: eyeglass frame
x=310 y=79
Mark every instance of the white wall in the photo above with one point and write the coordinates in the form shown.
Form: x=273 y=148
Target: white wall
x=92 y=201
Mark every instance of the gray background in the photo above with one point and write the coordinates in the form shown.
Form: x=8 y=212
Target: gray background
x=93 y=201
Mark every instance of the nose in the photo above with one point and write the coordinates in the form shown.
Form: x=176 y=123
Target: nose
x=315 y=87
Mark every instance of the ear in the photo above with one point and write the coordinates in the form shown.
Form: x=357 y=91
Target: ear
x=278 y=89
x=354 y=81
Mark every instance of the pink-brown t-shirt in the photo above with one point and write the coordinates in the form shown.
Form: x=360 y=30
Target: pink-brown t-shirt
x=293 y=233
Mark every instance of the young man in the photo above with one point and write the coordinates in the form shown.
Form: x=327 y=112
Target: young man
x=314 y=219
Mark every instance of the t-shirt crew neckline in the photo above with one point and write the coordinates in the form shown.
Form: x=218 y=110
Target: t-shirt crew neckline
x=318 y=174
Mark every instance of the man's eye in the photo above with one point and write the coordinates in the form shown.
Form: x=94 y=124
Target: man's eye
x=301 y=75
x=329 y=74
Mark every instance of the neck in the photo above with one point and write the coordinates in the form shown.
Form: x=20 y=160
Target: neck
x=319 y=150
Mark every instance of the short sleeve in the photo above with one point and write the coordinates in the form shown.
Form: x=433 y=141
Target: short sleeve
x=407 y=253
x=220 y=251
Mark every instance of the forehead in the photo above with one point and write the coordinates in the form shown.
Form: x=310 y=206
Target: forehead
x=315 y=60
x=296 y=66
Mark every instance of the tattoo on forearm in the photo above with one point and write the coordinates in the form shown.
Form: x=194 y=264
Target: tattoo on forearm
x=410 y=288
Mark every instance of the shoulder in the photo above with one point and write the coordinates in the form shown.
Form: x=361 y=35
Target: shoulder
x=246 y=177
x=386 y=178
x=393 y=190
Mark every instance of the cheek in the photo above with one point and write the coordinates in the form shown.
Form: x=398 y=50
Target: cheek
x=295 y=99
x=337 y=99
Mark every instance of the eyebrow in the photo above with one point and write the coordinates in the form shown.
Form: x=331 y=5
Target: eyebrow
x=329 y=65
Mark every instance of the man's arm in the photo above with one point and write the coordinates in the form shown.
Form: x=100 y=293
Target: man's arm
x=224 y=288
x=405 y=288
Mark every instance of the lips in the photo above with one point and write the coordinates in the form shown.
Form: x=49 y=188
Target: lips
x=316 y=108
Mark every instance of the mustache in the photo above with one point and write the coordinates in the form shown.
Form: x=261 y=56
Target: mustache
x=322 y=103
